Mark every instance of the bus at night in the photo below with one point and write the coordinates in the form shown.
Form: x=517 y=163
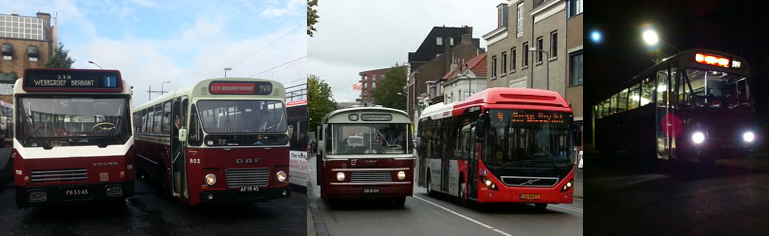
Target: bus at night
x=696 y=104
x=500 y=145
x=365 y=153
x=217 y=140
x=73 y=140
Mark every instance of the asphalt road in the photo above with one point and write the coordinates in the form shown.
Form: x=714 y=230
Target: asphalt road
x=424 y=215
x=630 y=196
x=149 y=214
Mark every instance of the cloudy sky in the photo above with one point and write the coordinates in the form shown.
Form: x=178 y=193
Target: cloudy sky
x=355 y=36
x=180 y=41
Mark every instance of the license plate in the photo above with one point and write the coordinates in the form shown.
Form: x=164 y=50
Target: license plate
x=249 y=189
x=370 y=190
x=76 y=193
x=529 y=196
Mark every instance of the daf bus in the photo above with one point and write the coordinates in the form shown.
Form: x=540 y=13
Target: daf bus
x=365 y=153
x=217 y=140
x=694 y=105
x=500 y=145
x=73 y=140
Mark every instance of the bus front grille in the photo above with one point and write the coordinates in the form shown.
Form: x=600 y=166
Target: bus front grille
x=526 y=181
x=370 y=176
x=255 y=177
x=65 y=175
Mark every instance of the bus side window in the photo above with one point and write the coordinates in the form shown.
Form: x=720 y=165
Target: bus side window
x=647 y=91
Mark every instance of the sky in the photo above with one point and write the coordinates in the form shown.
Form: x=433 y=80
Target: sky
x=355 y=36
x=180 y=41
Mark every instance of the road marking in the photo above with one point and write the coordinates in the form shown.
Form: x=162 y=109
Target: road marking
x=464 y=217
x=568 y=208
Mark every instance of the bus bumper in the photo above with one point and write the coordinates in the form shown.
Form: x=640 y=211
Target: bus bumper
x=73 y=194
x=234 y=196
x=368 y=191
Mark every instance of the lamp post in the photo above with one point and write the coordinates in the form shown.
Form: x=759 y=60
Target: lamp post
x=95 y=64
x=225 y=71
x=547 y=65
x=161 y=86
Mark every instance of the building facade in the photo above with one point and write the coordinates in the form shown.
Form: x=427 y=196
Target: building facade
x=25 y=42
x=465 y=79
x=369 y=80
x=538 y=44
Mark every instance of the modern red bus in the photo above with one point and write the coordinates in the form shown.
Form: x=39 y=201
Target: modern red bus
x=232 y=143
x=365 y=152
x=500 y=145
x=297 y=116
x=73 y=140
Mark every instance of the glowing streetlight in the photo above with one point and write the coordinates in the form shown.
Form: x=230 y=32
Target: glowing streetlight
x=596 y=36
x=650 y=37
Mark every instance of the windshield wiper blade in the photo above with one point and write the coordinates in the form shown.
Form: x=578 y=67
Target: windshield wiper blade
x=40 y=137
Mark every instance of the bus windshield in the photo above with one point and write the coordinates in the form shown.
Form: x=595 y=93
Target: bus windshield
x=82 y=120
x=242 y=116
x=711 y=88
x=520 y=138
x=369 y=138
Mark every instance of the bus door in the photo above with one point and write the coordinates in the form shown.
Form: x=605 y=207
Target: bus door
x=472 y=165
x=666 y=119
x=177 y=157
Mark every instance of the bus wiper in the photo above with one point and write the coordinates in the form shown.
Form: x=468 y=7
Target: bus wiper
x=43 y=140
x=278 y=124
x=111 y=133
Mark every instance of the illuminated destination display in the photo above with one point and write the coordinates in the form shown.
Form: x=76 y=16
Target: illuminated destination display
x=532 y=117
x=376 y=117
x=257 y=88
x=72 y=80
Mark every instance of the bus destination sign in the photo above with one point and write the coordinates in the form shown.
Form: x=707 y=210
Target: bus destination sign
x=376 y=117
x=257 y=88
x=72 y=80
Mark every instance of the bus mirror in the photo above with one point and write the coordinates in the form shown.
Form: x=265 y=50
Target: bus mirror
x=290 y=131
x=320 y=146
x=480 y=128
x=183 y=135
x=3 y=123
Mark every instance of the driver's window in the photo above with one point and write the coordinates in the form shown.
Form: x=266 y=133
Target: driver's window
x=662 y=88
x=195 y=132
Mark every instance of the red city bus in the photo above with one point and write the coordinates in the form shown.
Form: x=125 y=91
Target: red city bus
x=224 y=150
x=73 y=140
x=365 y=152
x=500 y=145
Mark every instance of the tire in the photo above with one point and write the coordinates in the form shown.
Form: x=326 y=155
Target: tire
x=399 y=202
x=540 y=206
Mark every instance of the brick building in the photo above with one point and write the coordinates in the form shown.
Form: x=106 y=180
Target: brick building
x=369 y=80
x=25 y=42
x=433 y=59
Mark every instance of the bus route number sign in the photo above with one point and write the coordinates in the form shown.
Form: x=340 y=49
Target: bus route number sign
x=257 y=88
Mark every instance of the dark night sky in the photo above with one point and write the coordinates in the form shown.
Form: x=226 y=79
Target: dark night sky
x=737 y=27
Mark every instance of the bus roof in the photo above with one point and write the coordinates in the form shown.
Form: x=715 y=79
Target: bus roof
x=343 y=114
x=201 y=88
x=516 y=98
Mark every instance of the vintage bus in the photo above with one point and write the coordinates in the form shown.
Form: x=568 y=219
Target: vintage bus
x=365 y=152
x=694 y=105
x=500 y=145
x=297 y=116
x=217 y=140
x=73 y=138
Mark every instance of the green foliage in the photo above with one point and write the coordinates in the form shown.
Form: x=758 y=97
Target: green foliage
x=60 y=59
x=390 y=91
x=312 y=16
x=319 y=99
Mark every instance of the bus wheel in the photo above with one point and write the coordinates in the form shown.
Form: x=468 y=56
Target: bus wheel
x=540 y=206
x=400 y=202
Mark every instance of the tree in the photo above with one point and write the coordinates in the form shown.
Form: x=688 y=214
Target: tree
x=390 y=91
x=320 y=100
x=312 y=16
x=60 y=59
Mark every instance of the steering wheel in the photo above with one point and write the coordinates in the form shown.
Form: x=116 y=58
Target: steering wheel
x=104 y=126
x=46 y=131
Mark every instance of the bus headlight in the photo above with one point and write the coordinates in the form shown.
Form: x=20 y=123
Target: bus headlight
x=698 y=137
x=210 y=179
x=487 y=182
x=281 y=176
x=339 y=176
x=38 y=196
x=748 y=137
x=567 y=186
x=401 y=175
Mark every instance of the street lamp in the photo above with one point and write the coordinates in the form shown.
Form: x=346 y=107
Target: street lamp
x=95 y=64
x=225 y=71
x=547 y=66
x=651 y=38
x=161 y=86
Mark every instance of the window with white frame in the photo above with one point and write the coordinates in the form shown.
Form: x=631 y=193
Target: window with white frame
x=439 y=41
x=519 y=23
